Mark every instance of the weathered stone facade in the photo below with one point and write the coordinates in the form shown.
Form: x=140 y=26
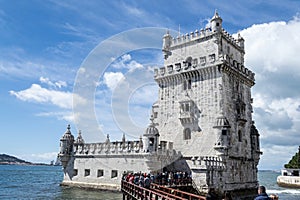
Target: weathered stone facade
x=205 y=107
x=201 y=122
x=101 y=165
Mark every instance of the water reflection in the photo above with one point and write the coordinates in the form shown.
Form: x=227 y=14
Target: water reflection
x=78 y=193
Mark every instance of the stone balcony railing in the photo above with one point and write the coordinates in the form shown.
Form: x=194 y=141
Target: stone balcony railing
x=208 y=162
x=108 y=148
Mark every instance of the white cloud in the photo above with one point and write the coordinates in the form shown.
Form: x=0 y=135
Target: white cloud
x=133 y=10
x=274 y=45
x=67 y=116
x=145 y=94
x=58 y=84
x=126 y=62
x=42 y=95
x=133 y=65
x=275 y=156
x=272 y=53
x=15 y=62
x=126 y=57
x=20 y=68
x=111 y=79
x=38 y=94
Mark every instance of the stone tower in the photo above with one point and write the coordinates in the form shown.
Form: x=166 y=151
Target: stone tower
x=204 y=108
x=66 y=154
x=150 y=138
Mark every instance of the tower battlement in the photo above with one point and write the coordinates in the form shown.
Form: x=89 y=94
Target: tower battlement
x=203 y=35
x=197 y=51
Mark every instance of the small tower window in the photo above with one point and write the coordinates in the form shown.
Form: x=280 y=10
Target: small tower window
x=212 y=58
x=100 y=173
x=240 y=135
x=187 y=134
x=87 y=172
x=75 y=172
x=151 y=142
x=218 y=24
x=178 y=66
x=170 y=68
x=114 y=173
x=202 y=60
x=224 y=132
x=195 y=62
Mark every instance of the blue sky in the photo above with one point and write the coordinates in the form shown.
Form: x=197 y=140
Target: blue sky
x=45 y=44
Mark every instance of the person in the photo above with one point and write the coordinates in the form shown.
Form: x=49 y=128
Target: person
x=227 y=196
x=211 y=195
x=141 y=181
x=262 y=195
x=147 y=182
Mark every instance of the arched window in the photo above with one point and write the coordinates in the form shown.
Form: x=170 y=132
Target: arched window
x=187 y=134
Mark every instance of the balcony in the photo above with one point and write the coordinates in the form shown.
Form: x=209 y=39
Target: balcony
x=187 y=117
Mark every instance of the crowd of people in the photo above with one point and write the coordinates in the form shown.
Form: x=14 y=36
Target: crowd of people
x=164 y=178
x=183 y=178
x=140 y=179
x=173 y=178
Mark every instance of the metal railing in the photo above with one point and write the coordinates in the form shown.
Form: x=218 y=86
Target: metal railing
x=156 y=192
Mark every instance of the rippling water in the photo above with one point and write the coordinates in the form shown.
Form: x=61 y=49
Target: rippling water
x=268 y=179
x=42 y=182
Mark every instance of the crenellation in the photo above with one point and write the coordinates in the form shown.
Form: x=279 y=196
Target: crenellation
x=107 y=148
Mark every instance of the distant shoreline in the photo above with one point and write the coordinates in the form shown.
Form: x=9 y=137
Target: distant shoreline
x=25 y=164
x=11 y=160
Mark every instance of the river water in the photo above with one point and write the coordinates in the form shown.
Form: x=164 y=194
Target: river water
x=42 y=182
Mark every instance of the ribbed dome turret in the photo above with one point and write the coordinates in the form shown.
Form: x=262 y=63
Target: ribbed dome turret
x=151 y=129
x=150 y=138
x=66 y=147
x=68 y=135
x=221 y=121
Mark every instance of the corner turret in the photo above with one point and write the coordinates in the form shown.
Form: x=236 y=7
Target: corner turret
x=79 y=143
x=216 y=22
x=79 y=139
x=66 y=147
x=222 y=129
x=255 y=148
x=150 y=138
x=241 y=41
x=167 y=40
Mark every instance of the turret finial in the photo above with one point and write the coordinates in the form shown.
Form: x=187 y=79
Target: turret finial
x=68 y=131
